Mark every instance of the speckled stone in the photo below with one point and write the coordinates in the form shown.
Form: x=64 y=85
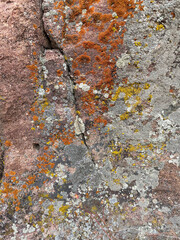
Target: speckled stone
x=89 y=120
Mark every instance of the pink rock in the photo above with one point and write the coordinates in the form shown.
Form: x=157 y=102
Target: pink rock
x=21 y=34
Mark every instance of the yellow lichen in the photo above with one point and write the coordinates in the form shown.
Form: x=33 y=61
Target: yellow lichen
x=116 y=180
x=51 y=209
x=137 y=43
x=146 y=85
x=63 y=209
x=94 y=209
x=124 y=116
x=159 y=27
x=129 y=90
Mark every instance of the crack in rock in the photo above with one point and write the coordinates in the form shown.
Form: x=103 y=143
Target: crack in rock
x=1 y=162
x=78 y=124
x=171 y=108
x=51 y=43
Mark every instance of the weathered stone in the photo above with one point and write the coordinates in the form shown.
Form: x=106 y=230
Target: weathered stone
x=16 y=89
x=89 y=119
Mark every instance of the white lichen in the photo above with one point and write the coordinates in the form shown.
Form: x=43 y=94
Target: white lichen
x=41 y=92
x=84 y=87
x=79 y=126
x=123 y=61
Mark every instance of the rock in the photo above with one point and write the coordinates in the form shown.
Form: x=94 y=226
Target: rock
x=89 y=127
x=20 y=39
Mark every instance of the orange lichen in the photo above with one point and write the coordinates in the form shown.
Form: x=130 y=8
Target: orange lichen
x=74 y=64
x=7 y=143
x=67 y=137
x=77 y=73
x=98 y=58
x=106 y=18
x=141 y=8
x=59 y=72
x=46 y=148
x=96 y=16
x=41 y=126
x=105 y=36
x=171 y=90
x=85 y=4
x=35 y=26
x=173 y=14
x=111 y=36
x=115 y=43
x=121 y=7
x=91 y=45
x=35 y=118
x=32 y=67
x=84 y=58
x=31 y=179
x=13 y=179
x=51 y=165
x=17 y=208
x=72 y=39
x=32 y=109
x=11 y=192
x=47 y=90
x=99 y=120
x=76 y=11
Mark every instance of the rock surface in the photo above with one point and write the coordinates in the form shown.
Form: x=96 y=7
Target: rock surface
x=89 y=119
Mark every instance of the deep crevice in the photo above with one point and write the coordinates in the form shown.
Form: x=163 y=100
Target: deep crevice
x=52 y=45
x=75 y=99
x=36 y=146
x=85 y=143
x=2 y=162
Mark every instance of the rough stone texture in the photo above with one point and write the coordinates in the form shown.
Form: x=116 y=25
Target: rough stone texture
x=89 y=119
x=18 y=41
